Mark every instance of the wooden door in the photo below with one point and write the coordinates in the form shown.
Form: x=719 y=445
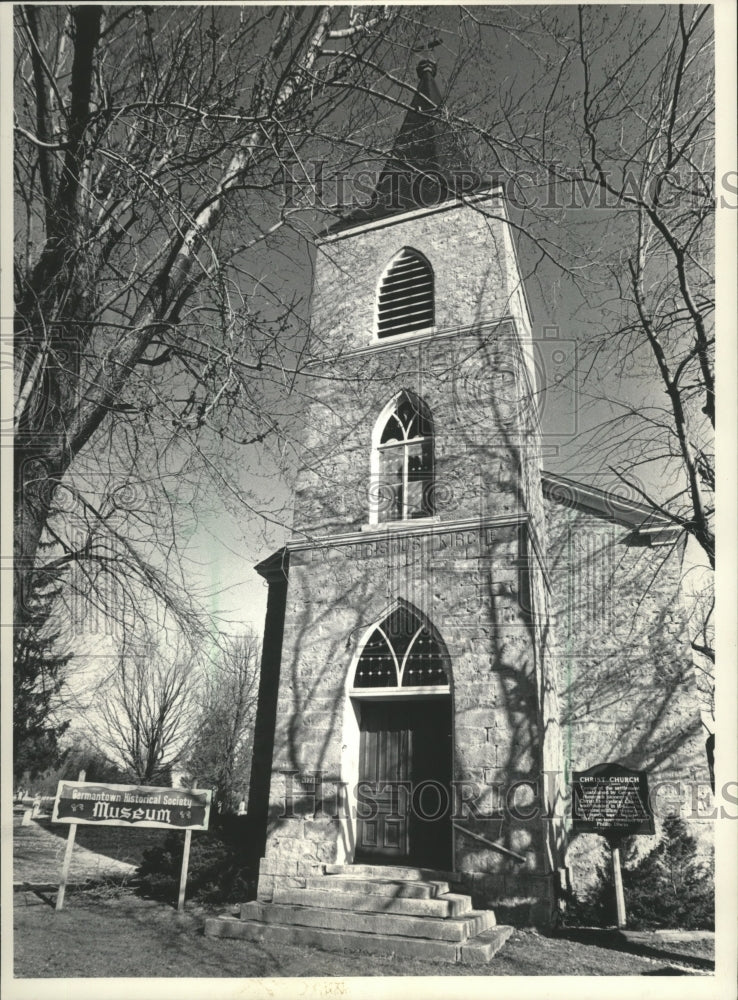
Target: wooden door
x=383 y=831
x=403 y=742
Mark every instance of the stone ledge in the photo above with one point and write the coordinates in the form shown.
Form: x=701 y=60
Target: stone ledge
x=397 y=888
x=376 y=944
x=485 y=946
x=394 y=872
x=456 y=929
x=448 y=905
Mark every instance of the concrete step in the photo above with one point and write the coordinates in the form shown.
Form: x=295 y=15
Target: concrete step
x=408 y=888
x=447 y=905
x=438 y=929
x=391 y=872
x=480 y=949
x=476 y=951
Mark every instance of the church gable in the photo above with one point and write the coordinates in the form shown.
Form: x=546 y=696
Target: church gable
x=644 y=520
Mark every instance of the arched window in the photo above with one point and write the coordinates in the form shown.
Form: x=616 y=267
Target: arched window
x=403 y=651
x=403 y=461
x=405 y=299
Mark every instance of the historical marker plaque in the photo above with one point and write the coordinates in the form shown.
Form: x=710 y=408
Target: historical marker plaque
x=612 y=800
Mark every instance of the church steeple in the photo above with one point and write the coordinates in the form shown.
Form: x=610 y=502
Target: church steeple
x=427 y=164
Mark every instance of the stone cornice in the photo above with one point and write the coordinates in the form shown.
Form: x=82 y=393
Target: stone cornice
x=275 y=568
x=639 y=517
x=398 y=343
x=416 y=213
x=369 y=534
x=410 y=530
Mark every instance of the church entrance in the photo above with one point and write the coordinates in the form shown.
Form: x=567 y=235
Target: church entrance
x=404 y=799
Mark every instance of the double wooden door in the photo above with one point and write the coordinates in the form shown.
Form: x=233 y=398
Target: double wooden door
x=404 y=795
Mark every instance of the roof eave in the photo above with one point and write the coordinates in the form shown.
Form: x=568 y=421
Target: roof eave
x=637 y=516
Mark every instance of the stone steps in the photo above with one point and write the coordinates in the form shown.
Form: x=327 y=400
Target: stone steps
x=438 y=928
x=384 y=910
x=477 y=950
x=378 y=886
x=445 y=905
x=392 y=872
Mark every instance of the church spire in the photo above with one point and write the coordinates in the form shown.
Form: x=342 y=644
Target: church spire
x=427 y=164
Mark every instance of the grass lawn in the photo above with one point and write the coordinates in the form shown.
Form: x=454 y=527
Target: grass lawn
x=129 y=936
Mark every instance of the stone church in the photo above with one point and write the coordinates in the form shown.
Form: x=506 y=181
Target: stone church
x=450 y=630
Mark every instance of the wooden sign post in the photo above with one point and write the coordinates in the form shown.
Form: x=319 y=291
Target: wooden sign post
x=617 y=875
x=612 y=800
x=185 y=866
x=67 y=859
x=185 y=869
x=98 y=804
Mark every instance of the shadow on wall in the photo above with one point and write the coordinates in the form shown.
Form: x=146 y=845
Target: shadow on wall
x=628 y=688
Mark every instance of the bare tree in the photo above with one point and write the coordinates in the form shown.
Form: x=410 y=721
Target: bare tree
x=662 y=181
x=151 y=148
x=220 y=754
x=611 y=170
x=145 y=709
x=700 y=608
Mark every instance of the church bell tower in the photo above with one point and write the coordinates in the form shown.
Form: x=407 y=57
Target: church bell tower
x=408 y=696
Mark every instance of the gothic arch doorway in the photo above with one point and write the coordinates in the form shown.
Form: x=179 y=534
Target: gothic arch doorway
x=403 y=704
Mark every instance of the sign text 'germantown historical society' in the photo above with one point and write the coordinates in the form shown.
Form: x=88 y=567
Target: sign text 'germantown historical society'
x=134 y=805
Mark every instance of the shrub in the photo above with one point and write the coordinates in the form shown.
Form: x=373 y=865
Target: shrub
x=671 y=887
x=218 y=871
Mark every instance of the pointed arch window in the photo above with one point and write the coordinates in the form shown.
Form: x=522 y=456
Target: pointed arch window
x=404 y=651
x=405 y=298
x=403 y=465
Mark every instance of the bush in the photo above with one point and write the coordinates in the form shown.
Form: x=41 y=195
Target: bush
x=669 y=888
x=218 y=871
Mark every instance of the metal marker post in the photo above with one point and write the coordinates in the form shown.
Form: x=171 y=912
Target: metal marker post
x=618 y=880
x=185 y=866
x=67 y=858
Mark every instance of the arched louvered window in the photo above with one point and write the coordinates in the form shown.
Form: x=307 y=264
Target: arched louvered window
x=403 y=652
x=405 y=301
x=403 y=462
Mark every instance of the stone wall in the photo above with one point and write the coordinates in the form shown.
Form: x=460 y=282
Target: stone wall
x=468 y=248
x=275 y=571
x=474 y=372
x=470 y=584
x=627 y=687
x=471 y=384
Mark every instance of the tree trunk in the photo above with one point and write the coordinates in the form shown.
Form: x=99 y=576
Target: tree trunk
x=35 y=480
